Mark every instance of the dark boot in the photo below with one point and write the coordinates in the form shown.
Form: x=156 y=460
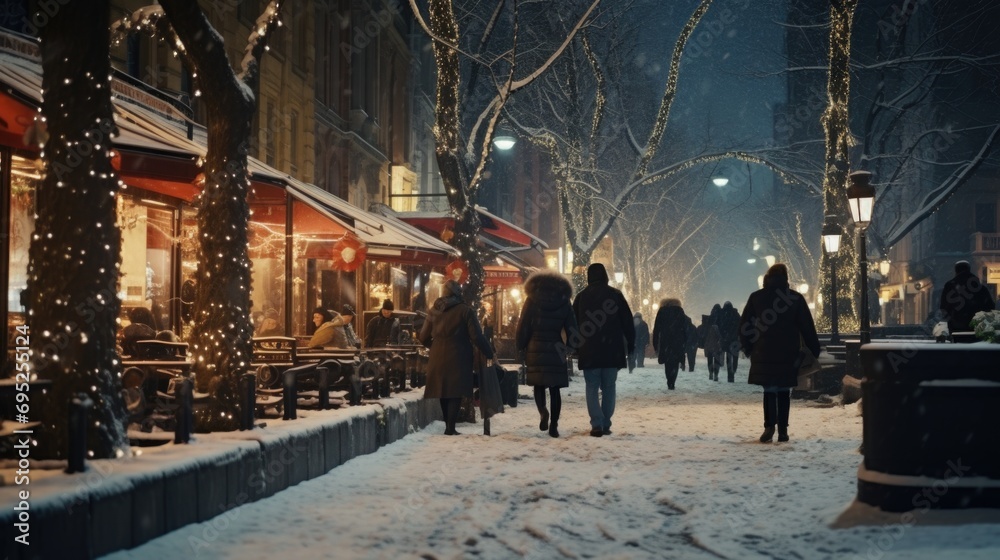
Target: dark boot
x=556 y=409
x=454 y=407
x=783 y=406
x=542 y=411
x=770 y=414
x=554 y=428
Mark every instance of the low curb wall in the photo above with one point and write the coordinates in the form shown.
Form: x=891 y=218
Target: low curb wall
x=120 y=504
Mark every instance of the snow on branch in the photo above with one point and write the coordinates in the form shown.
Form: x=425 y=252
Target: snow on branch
x=936 y=198
x=265 y=25
x=515 y=85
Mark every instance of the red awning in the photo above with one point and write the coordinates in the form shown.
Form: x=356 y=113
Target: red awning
x=435 y=223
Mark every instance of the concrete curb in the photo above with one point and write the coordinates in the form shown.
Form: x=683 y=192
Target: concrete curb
x=120 y=504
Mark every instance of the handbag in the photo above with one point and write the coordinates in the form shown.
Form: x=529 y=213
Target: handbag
x=490 y=397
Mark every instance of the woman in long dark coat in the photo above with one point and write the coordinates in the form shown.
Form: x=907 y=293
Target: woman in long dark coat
x=774 y=325
x=450 y=331
x=546 y=322
x=670 y=337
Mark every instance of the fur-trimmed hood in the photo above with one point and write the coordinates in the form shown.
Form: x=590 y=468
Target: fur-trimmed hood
x=548 y=288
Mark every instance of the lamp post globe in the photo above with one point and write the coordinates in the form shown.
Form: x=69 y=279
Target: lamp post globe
x=831 y=244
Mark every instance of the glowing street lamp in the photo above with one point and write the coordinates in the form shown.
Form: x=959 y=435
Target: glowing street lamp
x=861 y=200
x=656 y=286
x=619 y=278
x=504 y=143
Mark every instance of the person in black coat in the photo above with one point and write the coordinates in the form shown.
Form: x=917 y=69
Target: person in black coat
x=546 y=322
x=712 y=341
x=670 y=337
x=383 y=329
x=962 y=297
x=606 y=335
x=638 y=358
x=729 y=331
x=450 y=331
x=691 y=344
x=774 y=326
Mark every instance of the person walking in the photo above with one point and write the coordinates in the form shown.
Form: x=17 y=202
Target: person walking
x=691 y=343
x=729 y=332
x=547 y=320
x=775 y=325
x=605 y=337
x=670 y=337
x=638 y=358
x=713 y=342
x=962 y=297
x=450 y=331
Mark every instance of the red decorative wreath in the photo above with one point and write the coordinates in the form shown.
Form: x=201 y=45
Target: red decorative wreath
x=349 y=253
x=457 y=270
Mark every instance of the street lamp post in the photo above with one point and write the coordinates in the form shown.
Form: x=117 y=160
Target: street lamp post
x=831 y=244
x=861 y=198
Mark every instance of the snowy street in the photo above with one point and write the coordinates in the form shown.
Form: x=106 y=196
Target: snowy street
x=682 y=476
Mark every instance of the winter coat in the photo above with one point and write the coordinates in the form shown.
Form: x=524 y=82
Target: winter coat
x=606 y=334
x=670 y=334
x=546 y=315
x=962 y=297
x=691 y=344
x=713 y=340
x=775 y=323
x=729 y=328
x=450 y=331
x=382 y=331
x=641 y=333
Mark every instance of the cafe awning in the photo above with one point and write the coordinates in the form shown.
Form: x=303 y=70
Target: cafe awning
x=493 y=226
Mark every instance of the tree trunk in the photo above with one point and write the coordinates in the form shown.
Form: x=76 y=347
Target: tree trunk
x=461 y=195
x=221 y=337
x=836 y=126
x=75 y=251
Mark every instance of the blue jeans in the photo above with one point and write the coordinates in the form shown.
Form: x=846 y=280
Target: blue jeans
x=601 y=408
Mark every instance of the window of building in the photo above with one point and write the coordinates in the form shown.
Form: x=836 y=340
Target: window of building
x=146 y=279
x=24 y=180
x=986 y=217
x=270 y=132
x=247 y=11
x=293 y=140
x=300 y=21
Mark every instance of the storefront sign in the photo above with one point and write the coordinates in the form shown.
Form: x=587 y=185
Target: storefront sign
x=993 y=273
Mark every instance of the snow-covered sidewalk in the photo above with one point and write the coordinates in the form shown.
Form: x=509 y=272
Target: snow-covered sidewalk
x=682 y=476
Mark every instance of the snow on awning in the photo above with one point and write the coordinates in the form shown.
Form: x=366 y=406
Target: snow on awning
x=158 y=156
x=493 y=225
x=387 y=238
x=150 y=160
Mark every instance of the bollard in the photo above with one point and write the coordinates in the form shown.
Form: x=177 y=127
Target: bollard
x=323 y=379
x=248 y=400
x=79 y=409
x=289 y=394
x=184 y=416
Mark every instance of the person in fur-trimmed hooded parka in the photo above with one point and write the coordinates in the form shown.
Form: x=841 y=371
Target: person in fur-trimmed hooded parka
x=546 y=322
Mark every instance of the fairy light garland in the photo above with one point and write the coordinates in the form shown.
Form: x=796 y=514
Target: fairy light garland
x=836 y=126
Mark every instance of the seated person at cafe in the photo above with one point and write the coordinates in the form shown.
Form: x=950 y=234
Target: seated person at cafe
x=349 y=338
x=268 y=325
x=383 y=329
x=325 y=329
x=141 y=327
